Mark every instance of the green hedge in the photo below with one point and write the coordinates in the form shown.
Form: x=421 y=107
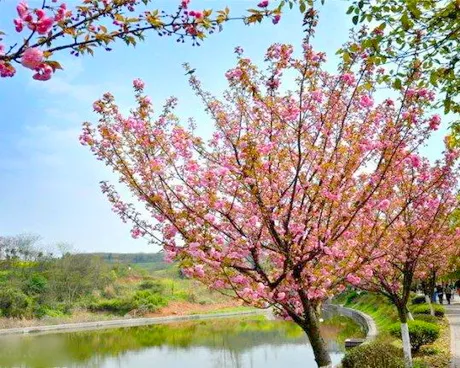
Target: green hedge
x=426 y=318
x=425 y=309
x=420 y=332
x=419 y=299
x=374 y=355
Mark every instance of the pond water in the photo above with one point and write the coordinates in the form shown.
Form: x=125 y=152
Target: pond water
x=249 y=342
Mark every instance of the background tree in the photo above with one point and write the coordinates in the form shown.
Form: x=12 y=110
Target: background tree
x=403 y=30
x=421 y=238
x=75 y=275
x=266 y=210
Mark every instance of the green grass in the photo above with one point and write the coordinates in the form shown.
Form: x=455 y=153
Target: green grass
x=377 y=306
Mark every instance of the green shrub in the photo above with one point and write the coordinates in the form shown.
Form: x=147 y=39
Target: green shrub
x=146 y=301
x=430 y=350
x=41 y=311
x=14 y=303
x=419 y=364
x=419 y=299
x=426 y=318
x=374 y=355
x=420 y=333
x=153 y=286
x=116 y=306
x=351 y=296
x=425 y=309
x=36 y=284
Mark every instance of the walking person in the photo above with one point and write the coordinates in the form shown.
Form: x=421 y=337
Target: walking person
x=457 y=285
x=440 y=292
x=448 y=291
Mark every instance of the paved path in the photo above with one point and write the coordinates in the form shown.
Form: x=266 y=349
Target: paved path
x=453 y=315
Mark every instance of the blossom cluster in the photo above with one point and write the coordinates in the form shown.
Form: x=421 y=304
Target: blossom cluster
x=91 y=24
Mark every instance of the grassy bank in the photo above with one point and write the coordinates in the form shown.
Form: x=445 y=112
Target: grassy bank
x=435 y=355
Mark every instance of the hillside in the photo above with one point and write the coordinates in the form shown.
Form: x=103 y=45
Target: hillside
x=147 y=261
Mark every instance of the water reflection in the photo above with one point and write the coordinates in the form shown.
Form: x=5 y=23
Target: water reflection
x=249 y=342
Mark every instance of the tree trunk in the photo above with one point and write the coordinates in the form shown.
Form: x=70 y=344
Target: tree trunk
x=311 y=328
x=428 y=301
x=432 y=285
x=402 y=311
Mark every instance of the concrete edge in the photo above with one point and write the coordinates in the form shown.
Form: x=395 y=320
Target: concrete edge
x=129 y=322
x=359 y=317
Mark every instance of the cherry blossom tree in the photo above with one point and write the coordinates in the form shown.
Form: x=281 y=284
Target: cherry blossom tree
x=54 y=27
x=414 y=230
x=270 y=209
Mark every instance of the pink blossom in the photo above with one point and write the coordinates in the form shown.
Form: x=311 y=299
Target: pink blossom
x=263 y=4
x=18 y=24
x=97 y=106
x=353 y=279
x=184 y=3
x=348 y=78
x=389 y=102
x=435 y=121
x=6 y=70
x=210 y=218
x=44 y=25
x=273 y=83
x=366 y=101
x=22 y=9
x=384 y=205
x=40 y=13
x=234 y=74
x=317 y=96
x=199 y=271
x=61 y=12
x=138 y=84
x=136 y=233
x=32 y=58
x=218 y=284
x=276 y=18
x=415 y=160
x=281 y=296
x=43 y=72
x=239 y=279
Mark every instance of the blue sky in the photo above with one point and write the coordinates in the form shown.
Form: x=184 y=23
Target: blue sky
x=49 y=183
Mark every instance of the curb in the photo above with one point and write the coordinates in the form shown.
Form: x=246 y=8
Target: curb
x=359 y=317
x=131 y=322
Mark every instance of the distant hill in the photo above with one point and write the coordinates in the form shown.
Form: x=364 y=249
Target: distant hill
x=149 y=261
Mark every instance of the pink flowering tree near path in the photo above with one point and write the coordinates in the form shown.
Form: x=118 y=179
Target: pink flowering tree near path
x=270 y=209
x=422 y=200
x=53 y=27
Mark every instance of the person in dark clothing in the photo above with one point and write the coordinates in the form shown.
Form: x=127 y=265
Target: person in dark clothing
x=457 y=285
x=440 y=292
x=448 y=291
